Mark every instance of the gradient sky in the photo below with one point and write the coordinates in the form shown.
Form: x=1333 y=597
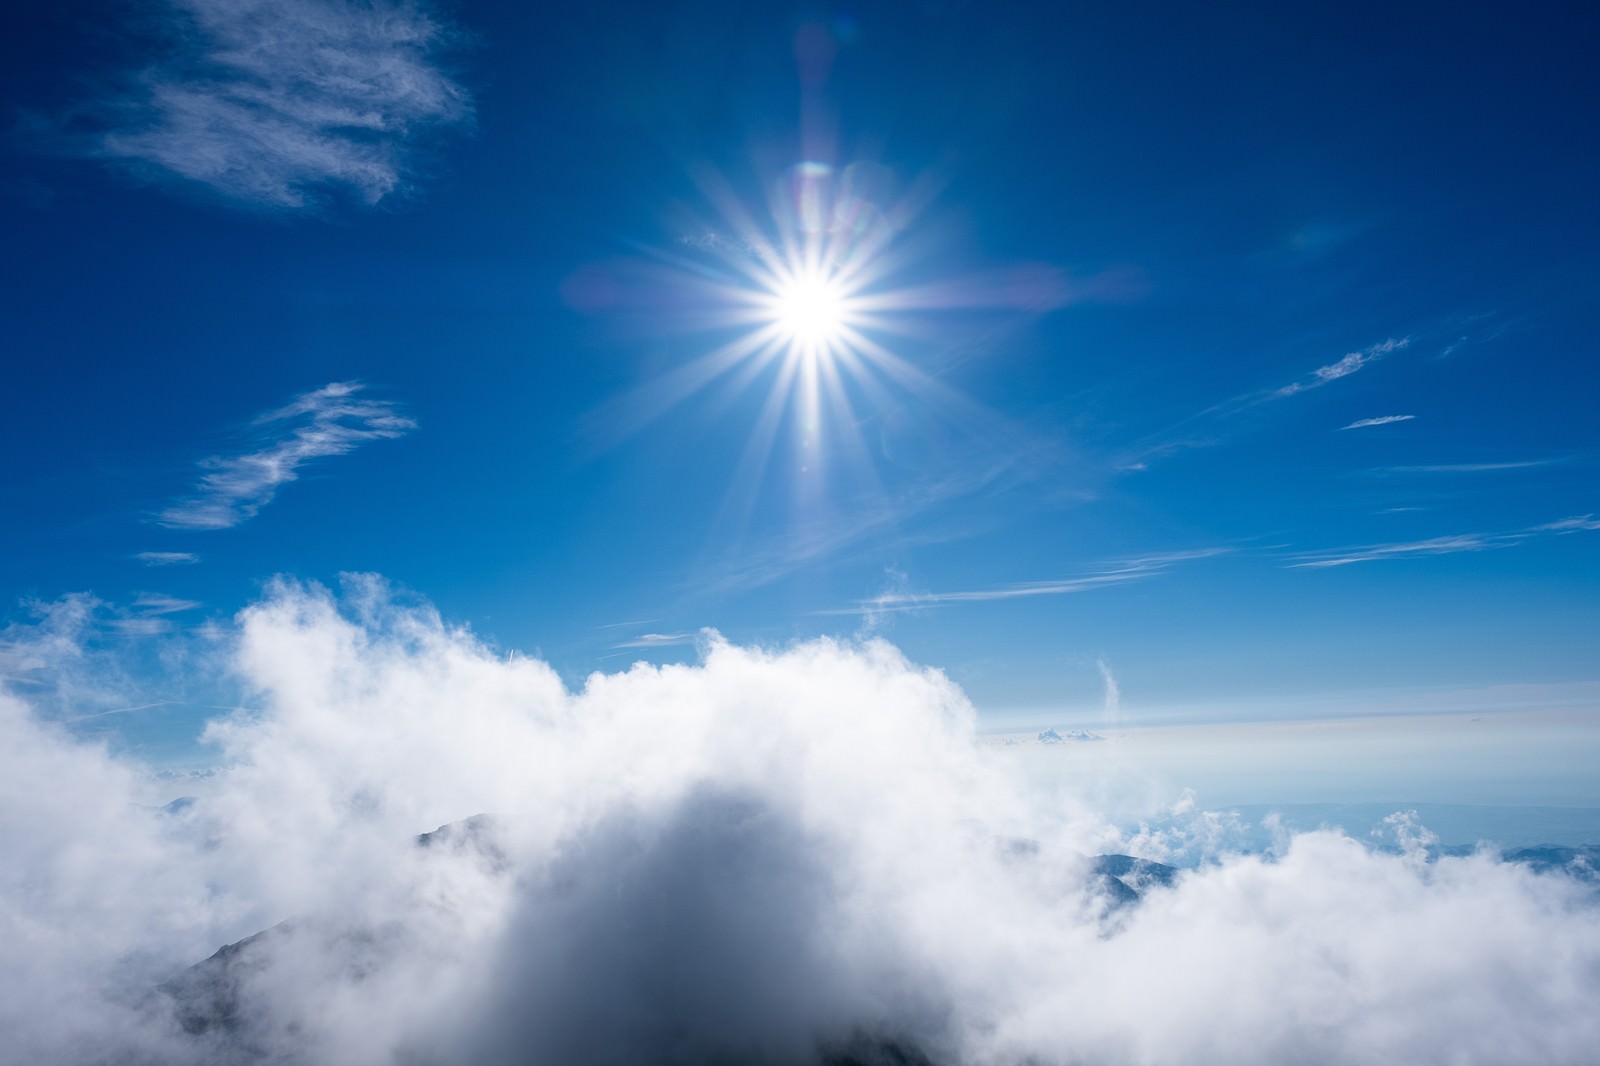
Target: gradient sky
x=1246 y=352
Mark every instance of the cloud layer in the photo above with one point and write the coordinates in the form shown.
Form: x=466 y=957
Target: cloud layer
x=268 y=101
x=745 y=860
x=331 y=420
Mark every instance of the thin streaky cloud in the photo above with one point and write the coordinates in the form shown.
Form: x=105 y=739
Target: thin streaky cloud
x=1577 y=523
x=1344 y=367
x=1205 y=428
x=153 y=705
x=1137 y=569
x=807 y=544
x=1482 y=328
x=1450 y=545
x=331 y=420
x=1381 y=420
x=167 y=558
x=267 y=102
x=657 y=640
x=1469 y=468
x=1019 y=590
x=1447 y=545
x=140 y=627
x=155 y=604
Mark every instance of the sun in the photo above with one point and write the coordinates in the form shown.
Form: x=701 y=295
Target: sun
x=811 y=318
x=810 y=310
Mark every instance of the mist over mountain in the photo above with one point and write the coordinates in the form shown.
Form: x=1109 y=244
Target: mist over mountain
x=778 y=856
x=215 y=998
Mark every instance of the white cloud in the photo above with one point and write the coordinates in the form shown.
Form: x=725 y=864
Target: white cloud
x=1113 y=699
x=910 y=601
x=657 y=640
x=739 y=860
x=1349 y=364
x=140 y=626
x=1464 y=542
x=167 y=558
x=1206 y=428
x=1469 y=468
x=268 y=101
x=331 y=420
x=152 y=603
x=147 y=615
x=1573 y=525
x=1381 y=420
x=76 y=657
x=901 y=598
x=1447 y=545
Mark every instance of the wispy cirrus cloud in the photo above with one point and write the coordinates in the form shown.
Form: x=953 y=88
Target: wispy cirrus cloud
x=1576 y=524
x=657 y=640
x=147 y=618
x=1138 y=569
x=1349 y=364
x=1446 y=545
x=990 y=472
x=266 y=102
x=1450 y=545
x=154 y=603
x=1381 y=420
x=167 y=558
x=1222 y=421
x=328 y=421
x=1469 y=468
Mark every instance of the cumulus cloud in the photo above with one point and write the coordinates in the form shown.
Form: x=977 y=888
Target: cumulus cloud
x=757 y=858
x=1381 y=420
x=268 y=101
x=331 y=420
x=1344 y=367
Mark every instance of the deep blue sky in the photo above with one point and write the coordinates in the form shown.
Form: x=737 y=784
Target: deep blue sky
x=1191 y=244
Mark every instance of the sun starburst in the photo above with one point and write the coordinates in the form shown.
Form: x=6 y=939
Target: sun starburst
x=805 y=300
x=811 y=310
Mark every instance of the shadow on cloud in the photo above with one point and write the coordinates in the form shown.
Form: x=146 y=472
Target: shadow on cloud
x=778 y=856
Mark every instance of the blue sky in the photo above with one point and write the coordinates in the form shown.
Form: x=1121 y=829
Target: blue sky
x=1245 y=352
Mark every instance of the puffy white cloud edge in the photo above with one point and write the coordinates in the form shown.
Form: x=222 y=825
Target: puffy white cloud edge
x=730 y=861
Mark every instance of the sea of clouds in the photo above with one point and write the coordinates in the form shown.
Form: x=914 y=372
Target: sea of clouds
x=766 y=857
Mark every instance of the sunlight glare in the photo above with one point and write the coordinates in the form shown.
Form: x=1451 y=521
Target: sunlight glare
x=810 y=310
